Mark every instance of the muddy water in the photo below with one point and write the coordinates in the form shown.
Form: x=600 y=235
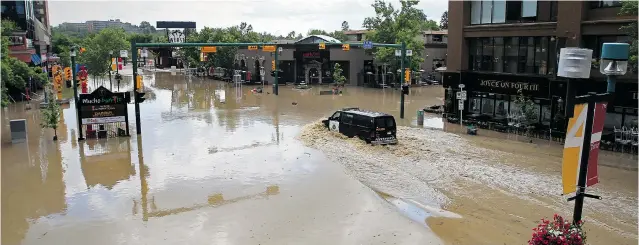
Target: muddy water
x=219 y=164
x=215 y=164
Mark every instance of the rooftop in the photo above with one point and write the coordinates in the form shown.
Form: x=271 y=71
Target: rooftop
x=353 y=32
x=430 y=32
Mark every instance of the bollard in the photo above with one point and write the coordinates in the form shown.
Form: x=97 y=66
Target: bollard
x=420 y=117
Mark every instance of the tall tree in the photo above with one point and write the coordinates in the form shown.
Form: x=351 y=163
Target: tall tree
x=443 y=23
x=396 y=26
x=96 y=56
x=345 y=26
x=630 y=8
x=291 y=35
x=51 y=116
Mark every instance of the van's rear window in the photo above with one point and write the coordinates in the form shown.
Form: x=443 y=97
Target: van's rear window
x=385 y=122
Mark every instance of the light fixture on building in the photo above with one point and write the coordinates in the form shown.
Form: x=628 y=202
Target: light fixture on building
x=614 y=59
x=574 y=63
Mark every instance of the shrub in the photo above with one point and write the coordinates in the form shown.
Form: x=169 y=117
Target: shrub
x=558 y=232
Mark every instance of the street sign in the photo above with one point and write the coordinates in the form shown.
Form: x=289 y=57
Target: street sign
x=209 y=49
x=460 y=105
x=368 y=44
x=398 y=52
x=409 y=52
x=144 y=53
x=124 y=53
x=462 y=86
x=346 y=47
x=269 y=48
x=461 y=95
x=322 y=46
x=252 y=47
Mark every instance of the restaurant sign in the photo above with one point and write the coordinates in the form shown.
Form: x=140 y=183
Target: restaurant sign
x=512 y=85
x=103 y=106
x=506 y=84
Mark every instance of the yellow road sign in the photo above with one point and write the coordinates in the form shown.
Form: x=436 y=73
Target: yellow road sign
x=252 y=47
x=322 y=46
x=269 y=48
x=346 y=47
x=209 y=49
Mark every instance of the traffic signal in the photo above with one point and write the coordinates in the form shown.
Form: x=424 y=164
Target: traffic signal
x=322 y=46
x=273 y=65
x=67 y=73
x=138 y=82
x=139 y=97
x=407 y=75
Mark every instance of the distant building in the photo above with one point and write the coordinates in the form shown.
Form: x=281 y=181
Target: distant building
x=434 y=54
x=356 y=35
x=98 y=25
x=32 y=40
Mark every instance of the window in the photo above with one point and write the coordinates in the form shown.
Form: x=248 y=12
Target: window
x=437 y=38
x=499 y=11
x=605 y=3
x=475 y=105
x=475 y=15
x=498 y=59
x=511 y=55
x=501 y=110
x=359 y=37
x=488 y=105
x=487 y=54
x=486 y=12
x=541 y=55
x=529 y=8
x=475 y=54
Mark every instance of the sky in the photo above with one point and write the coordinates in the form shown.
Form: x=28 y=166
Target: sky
x=278 y=17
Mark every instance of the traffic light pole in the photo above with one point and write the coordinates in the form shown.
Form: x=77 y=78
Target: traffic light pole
x=134 y=59
x=401 y=90
x=75 y=93
x=275 y=82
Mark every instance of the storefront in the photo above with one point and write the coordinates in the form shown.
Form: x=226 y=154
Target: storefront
x=494 y=97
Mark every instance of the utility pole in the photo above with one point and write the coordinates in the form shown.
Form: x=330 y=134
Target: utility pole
x=275 y=89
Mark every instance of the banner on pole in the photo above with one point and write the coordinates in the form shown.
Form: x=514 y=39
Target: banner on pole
x=573 y=145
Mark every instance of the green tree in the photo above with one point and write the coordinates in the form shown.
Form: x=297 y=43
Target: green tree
x=338 y=77
x=630 y=8
x=396 y=26
x=51 y=116
x=443 y=23
x=528 y=111
x=98 y=46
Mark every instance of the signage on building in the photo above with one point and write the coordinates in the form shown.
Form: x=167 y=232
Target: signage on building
x=102 y=96
x=313 y=54
x=252 y=47
x=525 y=86
x=269 y=48
x=103 y=106
x=176 y=36
x=367 y=44
x=209 y=49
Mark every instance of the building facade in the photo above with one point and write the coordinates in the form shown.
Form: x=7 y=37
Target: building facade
x=31 y=42
x=310 y=64
x=434 y=54
x=499 y=48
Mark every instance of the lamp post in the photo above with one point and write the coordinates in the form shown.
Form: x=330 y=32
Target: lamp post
x=110 y=68
x=614 y=62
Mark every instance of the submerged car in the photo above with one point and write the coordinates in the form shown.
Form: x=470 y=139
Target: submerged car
x=372 y=127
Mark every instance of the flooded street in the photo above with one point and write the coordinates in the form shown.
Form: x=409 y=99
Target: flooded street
x=218 y=164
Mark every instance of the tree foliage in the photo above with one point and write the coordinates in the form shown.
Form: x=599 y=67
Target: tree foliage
x=390 y=25
x=51 y=116
x=338 y=77
x=96 y=56
x=630 y=8
x=443 y=23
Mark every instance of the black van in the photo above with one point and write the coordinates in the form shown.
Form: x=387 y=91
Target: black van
x=372 y=127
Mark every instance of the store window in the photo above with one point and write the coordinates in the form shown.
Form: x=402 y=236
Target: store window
x=487 y=54
x=486 y=12
x=614 y=119
x=545 y=115
x=488 y=106
x=500 y=11
x=529 y=9
x=501 y=107
x=532 y=55
x=541 y=55
x=475 y=105
x=605 y=3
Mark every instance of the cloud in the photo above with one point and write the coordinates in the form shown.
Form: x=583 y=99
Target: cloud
x=274 y=16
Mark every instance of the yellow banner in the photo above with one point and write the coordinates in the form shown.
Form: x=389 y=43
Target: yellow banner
x=572 y=149
x=209 y=49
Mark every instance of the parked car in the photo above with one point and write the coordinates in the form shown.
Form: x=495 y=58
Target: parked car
x=372 y=127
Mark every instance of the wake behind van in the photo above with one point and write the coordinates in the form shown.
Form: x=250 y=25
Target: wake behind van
x=372 y=127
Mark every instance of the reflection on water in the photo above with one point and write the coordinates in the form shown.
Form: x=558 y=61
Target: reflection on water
x=205 y=144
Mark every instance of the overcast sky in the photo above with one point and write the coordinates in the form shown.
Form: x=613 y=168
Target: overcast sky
x=275 y=16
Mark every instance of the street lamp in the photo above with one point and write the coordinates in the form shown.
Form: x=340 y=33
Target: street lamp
x=614 y=62
x=573 y=63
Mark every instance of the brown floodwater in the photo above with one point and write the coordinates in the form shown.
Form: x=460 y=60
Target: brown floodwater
x=220 y=164
x=214 y=164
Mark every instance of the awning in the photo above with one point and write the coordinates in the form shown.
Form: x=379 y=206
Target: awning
x=35 y=59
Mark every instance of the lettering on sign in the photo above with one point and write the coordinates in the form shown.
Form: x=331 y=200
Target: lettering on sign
x=509 y=85
x=268 y=48
x=176 y=36
x=311 y=54
x=253 y=47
